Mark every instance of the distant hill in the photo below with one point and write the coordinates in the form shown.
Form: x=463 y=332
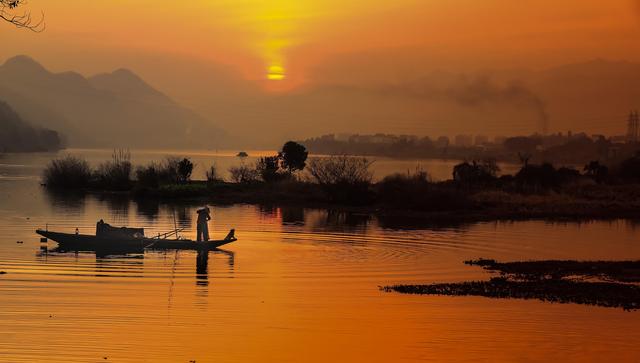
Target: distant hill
x=16 y=135
x=116 y=109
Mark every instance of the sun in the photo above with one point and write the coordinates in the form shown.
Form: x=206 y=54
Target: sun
x=275 y=73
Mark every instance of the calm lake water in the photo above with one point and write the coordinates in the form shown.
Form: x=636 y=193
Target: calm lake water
x=300 y=285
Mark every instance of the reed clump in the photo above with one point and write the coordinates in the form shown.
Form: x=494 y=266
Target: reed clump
x=69 y=172
x=116 y=173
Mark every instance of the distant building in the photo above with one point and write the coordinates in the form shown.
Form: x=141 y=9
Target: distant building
x=464 y=140
x=499 y=140
x=442 y=142
x=481 y=140
x=383 y=139
x=618 y=139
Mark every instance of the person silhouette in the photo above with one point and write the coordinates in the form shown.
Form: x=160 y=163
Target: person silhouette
x=204 y=217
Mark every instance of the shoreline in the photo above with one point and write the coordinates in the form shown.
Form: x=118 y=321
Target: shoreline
x=494 y=205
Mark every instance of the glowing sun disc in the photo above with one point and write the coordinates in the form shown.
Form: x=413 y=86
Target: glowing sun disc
x=275 y=73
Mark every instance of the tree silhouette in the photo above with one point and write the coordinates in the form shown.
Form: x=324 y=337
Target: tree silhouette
x=9 y=11
x=185 y=168
x=294 y=156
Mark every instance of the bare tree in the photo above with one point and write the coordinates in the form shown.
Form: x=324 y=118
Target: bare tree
x=10 y=12
x=341 y=169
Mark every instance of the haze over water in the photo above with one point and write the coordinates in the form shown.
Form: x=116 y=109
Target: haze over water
x=299 y=285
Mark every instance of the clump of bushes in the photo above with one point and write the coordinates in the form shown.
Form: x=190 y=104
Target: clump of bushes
x=243 y=174
x=270 y=169
x=476 y=172
x=596 y=171
x=148 y=176
x=345 y=179
x=543 y=177
x=176 y=170
x=415 y=191
x=629 y=169
x=115 y=174
x=402 y=189
x=172 y=170
x=69 y=172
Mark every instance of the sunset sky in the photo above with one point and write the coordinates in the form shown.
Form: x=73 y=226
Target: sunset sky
x=288 y=45
x=253 y=35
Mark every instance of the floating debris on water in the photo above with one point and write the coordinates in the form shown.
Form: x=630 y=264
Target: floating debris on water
x=602 y=283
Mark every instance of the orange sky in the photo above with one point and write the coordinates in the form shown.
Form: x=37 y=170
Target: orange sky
x=253 y=35
x=215 y=57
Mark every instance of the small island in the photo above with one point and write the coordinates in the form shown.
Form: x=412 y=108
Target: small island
x=601 y=283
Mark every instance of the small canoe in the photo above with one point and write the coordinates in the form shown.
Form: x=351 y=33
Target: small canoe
x=83 y=242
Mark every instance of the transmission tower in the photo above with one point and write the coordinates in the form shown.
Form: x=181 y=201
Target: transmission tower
x=633 y=127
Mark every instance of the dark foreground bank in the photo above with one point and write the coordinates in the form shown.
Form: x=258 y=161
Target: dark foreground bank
x=601 y=283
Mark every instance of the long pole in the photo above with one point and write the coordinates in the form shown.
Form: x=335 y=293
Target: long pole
x=175 y=225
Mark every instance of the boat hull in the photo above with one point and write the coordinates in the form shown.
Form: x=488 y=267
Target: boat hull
x=80 y=242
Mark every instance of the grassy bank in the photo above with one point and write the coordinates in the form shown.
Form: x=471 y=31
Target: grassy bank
x=475 y=193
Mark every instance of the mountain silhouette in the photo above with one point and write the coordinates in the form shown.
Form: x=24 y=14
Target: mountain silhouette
x=16 y=135
x=115 y=109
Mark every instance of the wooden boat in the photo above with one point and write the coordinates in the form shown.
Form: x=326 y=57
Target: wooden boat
x=187 y=244
x=129 y=240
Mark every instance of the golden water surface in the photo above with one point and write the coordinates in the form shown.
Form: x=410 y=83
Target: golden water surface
x=300 y=285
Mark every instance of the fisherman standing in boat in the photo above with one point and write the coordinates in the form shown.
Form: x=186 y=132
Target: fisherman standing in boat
x=204 y=216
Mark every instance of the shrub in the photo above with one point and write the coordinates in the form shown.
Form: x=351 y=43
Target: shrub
x=269 y=169
x=172 y=170
x=341 y=169
x=169 y=170
x=175 y=170
x=243 y=174
x=68 y=172
x=116 y=174
x=402 y=189
x=544 y=176
x=476 y=172
x=148 y=176
x=414 y=191
x=344 y=178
